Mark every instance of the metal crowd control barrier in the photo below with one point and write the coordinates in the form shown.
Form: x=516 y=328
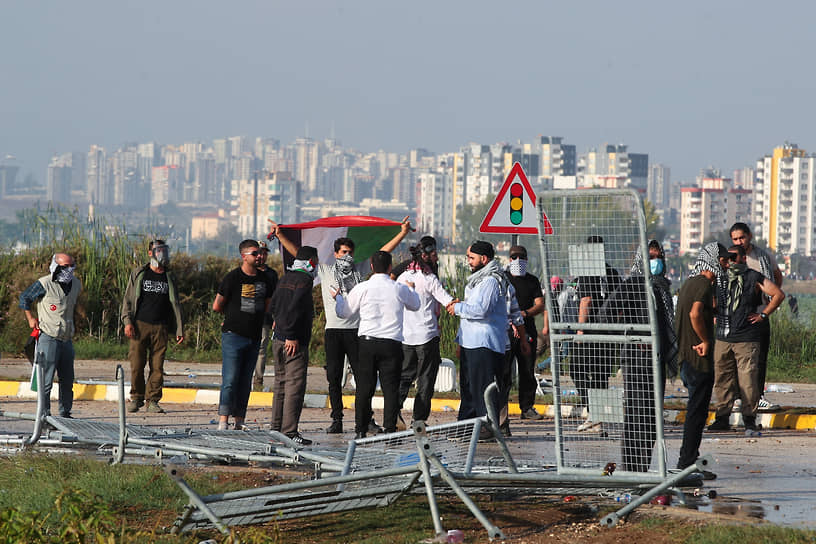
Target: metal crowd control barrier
x=380 y=469
x=602 y=319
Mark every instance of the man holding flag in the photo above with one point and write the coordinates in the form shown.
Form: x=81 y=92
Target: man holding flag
x=340 y=273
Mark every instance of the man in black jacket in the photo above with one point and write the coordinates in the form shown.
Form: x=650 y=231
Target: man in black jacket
x=294 y=311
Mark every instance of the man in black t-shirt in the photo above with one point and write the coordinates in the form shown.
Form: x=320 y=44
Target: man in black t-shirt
x=260 y=365
x=695 y=344
x=150 y=309
x=243 y=297
x=739 y=330
x=531 y=302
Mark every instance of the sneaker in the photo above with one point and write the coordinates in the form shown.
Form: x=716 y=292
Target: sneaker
x=532 y=413
x=720 y=424
x=300 y=440
x=590 y=426
x=737 y=406
x=373 y=428
x=223 y=426
x=750 y=423
x=336 y=427
x=505 y=429
x=134 y=405
x=767 y=406
x=401 y=426
x=153 y=406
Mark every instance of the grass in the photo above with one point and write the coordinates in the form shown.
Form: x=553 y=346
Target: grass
x=61 y=498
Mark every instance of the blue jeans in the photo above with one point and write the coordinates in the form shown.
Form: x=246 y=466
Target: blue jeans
x=57 y=356
x=479 y=368
x=238 y=357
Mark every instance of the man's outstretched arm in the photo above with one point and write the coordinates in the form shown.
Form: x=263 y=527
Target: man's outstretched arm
x=405 y=228
x=287 y=244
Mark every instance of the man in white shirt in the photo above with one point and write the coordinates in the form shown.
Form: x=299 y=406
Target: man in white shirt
x=380 y=301
x=420 y=329
x=340 y=340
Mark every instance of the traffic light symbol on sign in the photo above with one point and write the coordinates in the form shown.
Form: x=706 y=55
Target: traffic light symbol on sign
x=516 y=203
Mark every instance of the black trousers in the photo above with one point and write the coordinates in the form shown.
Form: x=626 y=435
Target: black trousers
x=639 y=418
x=339 y=343
x=420 y=363
x=526 y=373
x=377 y=356
x=699 y=385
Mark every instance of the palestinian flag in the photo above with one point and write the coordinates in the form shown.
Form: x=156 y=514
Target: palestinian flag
x=369 y=235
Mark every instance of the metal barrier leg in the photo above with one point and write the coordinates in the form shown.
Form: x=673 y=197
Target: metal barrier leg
x=196 y=500
x=493 y=419
x=119 y=454
x=492 y=530
x=612 y=519
x=419 y=431
x=38 y=421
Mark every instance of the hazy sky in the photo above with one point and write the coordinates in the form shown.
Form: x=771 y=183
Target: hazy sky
x=690 y=83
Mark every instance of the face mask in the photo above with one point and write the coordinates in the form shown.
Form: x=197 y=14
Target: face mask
x=160 y=256
x=61 y=273
x=518 y=267
x=345 y=264
x=656 y=266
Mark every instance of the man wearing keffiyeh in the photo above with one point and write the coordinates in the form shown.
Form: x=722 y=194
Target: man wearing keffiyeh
x=763 y=262
x=341 y=339
x=695 y=336
x=739 y=326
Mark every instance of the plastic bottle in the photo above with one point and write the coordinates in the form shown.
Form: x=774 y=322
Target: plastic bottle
x=778 y=388
x=626 y=497
x=455 y=536
x=568 y=392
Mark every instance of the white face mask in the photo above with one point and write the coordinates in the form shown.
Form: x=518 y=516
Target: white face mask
x=518 y=267
x=160 y=256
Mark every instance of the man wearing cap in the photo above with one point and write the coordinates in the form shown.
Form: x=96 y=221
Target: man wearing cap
x=695 y=343
x=150 y=312
x=243 y=297
x=260 y=365
x=294 y=312
x=55 y=296
x=482 y=334
x=531 y=302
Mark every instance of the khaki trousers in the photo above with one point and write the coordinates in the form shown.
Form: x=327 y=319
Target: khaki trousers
x=736 y=374
x=149 y=346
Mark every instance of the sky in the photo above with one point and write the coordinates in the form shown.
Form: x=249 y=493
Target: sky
x=693 y=84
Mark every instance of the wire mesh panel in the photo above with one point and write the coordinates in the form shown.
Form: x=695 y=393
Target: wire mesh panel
x=607 y=382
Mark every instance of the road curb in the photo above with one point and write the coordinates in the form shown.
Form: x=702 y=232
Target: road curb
x=107 y=392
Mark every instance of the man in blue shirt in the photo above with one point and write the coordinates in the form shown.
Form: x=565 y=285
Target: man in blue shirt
x=482 y=335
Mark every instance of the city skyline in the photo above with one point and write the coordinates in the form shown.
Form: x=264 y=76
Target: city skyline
x=694 y=85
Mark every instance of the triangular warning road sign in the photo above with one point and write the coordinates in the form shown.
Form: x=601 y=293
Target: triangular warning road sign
x=514 y=209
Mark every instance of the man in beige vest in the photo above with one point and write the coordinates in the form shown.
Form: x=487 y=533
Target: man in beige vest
x=55 y=296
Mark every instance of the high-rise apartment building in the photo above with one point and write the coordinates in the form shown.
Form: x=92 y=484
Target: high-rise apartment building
x=167 y=184
x=58 y=179
x=703 y=211
x=98 y=180
x=657 y=186
x=613 y=167
x=267 y=195
x=557 y=158
x=785 y=200
x=435 y=206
